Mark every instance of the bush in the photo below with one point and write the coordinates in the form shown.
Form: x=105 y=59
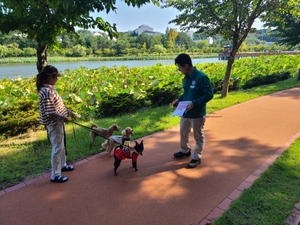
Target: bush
x=269 y=79
x=118 y=105
x=234 y=85
x=79 y=51
x=29 y=51
x=19 y=118
x=14 y=52
x=163 y=96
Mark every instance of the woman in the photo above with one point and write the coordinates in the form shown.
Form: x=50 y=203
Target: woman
x=53 y=115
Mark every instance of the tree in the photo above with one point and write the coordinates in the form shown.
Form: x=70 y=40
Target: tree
x=232 y=19
x=183 y=40
x=103 y=42
x=171 y=37
x=285 y=22
x=29 y=51
x=121 y=47
x=78 y=51
x=68 y=40
x=203 y=44
x=147 y=39
x=265 y=35
x=158 y=48
x=3 y=51
x=44 y=21
x=87 y=39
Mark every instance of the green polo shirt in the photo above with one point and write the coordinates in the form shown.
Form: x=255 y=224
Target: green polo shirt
x=196 y=88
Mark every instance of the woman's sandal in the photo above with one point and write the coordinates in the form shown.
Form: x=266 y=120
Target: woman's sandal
x=67 y=168
x=59 y=179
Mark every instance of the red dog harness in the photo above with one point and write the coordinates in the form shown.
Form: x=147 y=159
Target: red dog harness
x=126 y=152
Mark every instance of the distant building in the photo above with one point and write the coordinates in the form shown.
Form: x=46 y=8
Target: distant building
x=145 y=29
x=190 y=33
x=210 y=40
x=227 y=49
x=97 y=34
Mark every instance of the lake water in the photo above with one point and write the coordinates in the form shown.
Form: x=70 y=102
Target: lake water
x=29 y=69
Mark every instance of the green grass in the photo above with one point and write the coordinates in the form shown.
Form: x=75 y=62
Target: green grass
x=271 y=198
x=54 y=59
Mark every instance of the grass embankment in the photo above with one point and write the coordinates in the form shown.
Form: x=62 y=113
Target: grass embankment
x=268 y=201
x=56 y=59
x=271 y=197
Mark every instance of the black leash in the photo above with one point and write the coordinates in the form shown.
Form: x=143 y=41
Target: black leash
x=89 y=129
x=65 y=140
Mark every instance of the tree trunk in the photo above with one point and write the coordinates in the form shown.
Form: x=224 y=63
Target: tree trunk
x=226 y=81
x=41 y=53
x=298 y=77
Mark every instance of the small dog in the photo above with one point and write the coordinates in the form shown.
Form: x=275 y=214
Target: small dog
x=110 y=142
x=102 y=132
x=127 y=132
x=125 y=152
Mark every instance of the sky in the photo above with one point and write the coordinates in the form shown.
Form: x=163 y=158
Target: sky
x=128 y=18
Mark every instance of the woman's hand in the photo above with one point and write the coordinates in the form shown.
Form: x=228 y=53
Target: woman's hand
x=73 y=115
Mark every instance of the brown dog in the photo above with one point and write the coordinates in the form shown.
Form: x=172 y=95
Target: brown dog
x=124 y=139
x=127 y=132
x=102 y=132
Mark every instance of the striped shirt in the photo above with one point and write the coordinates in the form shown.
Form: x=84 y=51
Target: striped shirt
x=50 y=103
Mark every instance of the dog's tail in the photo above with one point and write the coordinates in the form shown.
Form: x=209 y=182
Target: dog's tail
x=105 y=143
x=119 y=147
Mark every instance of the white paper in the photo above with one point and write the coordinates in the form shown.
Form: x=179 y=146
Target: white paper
x=181 y=108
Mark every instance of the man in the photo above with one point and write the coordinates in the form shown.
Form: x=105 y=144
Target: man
x=197 y=89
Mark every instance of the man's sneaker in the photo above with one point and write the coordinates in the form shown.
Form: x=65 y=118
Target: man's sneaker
x=194 y=163
x=180 y=154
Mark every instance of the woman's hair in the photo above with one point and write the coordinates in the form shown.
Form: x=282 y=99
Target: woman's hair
x=43 y=75
x=183 y=59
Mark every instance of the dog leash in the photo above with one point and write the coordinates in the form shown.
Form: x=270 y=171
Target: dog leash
x=89 y=129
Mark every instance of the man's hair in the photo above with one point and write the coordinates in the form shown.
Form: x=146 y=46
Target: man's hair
x=183 y=59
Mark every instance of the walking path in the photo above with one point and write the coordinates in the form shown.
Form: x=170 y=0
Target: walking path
x=242 y=141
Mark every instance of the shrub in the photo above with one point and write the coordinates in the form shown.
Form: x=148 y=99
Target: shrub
x=79 y=51
x=234 y=85
x=19 y=118
x=269 y=79
x=163 y=96
x=29 y=52
x=117 y=105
